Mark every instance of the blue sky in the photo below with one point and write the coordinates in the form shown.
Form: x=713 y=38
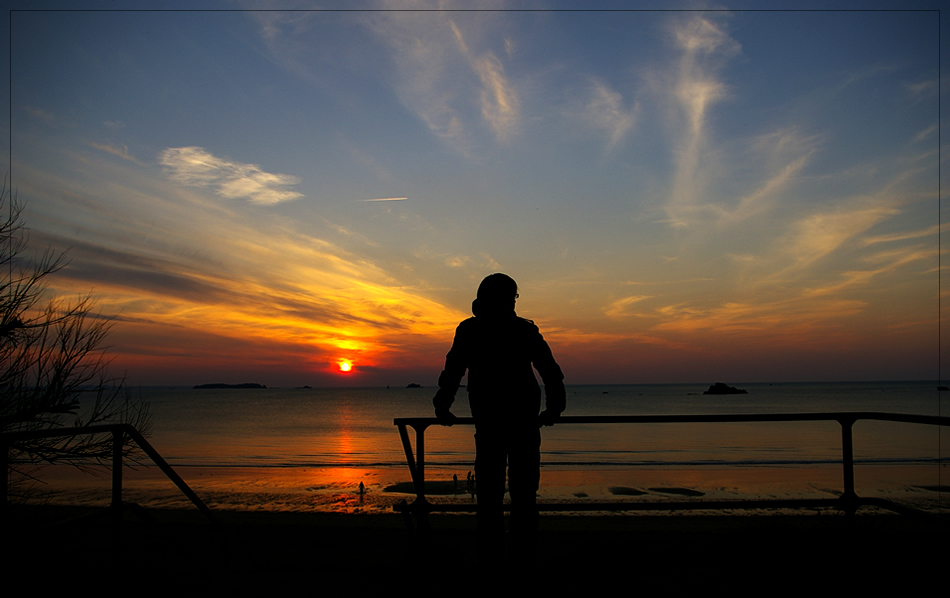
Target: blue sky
x=682 y=196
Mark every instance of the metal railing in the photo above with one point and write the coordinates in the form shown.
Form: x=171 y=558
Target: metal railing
x=848 y=502
x=119 y=432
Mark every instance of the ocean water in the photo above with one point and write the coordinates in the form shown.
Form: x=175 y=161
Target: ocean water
x=354 y=427
x=309 y=449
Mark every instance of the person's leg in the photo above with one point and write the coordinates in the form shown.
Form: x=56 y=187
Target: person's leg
x=490 y=464
x=524 y=475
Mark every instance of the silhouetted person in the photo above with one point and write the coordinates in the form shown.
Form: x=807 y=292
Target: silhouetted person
x=498 y=349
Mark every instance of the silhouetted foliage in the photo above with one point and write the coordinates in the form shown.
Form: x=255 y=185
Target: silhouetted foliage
x=53 y=367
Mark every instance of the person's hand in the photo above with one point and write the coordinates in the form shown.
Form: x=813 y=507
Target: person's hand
x=445 y=417
x=547 y=418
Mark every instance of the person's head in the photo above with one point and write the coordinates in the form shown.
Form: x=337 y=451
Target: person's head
x=496 y=295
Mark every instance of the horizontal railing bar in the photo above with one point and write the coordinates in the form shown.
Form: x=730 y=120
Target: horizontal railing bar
x=710 y=418
x=53 y=432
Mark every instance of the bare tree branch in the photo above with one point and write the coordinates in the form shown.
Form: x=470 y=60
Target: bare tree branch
x=53 y=366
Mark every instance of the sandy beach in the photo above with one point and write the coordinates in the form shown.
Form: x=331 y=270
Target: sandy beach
x=308 y=529
x=273 y=553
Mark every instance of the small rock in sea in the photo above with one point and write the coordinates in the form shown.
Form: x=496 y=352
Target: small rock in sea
x=625 y=491
x=678 y=491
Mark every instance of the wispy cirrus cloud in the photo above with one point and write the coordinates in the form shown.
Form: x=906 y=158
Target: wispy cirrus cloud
x=441 y=63
x=913 y=234
x=198 y=167
x=704 y=46
x=121 y=151
x=500 y=105
x=499 y=102
x=885 y=262
x=817 y=235
x=618 y=308
x=447 y=69
x=38 y=113
x=925 y=133
x=922 y=90
x=766 y=320
x=784 y=154
x=605 y=110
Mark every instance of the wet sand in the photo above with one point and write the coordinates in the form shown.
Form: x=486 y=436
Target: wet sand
x=335 y=489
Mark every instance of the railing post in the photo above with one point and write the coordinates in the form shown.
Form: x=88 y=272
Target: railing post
x=117 y=443
x=5 y=463
x=422 y=510
x=421 y=460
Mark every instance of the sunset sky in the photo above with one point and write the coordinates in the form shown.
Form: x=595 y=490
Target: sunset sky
x=682 y=196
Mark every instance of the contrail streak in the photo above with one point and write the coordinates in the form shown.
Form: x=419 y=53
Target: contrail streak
x=387 y=199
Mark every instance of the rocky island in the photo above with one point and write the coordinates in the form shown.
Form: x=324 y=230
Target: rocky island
x=724 y=389
x=245 y=385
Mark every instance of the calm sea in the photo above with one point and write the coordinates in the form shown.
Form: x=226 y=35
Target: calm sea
x=353 y=427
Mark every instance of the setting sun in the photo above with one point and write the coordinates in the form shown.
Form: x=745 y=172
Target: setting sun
x=345 y=366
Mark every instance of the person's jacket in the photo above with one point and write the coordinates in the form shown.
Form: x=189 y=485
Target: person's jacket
x=498 y=351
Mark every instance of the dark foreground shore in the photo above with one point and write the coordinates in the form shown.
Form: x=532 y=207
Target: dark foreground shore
x=273 y=553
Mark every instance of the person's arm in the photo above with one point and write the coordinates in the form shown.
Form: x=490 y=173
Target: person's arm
x=449 y=381
x=442 y=401
x=555 y=395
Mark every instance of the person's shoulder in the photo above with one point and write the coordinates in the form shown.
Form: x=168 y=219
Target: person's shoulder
x=527 y=324
x=467 y=324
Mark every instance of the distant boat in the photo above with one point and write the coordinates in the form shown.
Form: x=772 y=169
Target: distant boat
x=413 y=385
